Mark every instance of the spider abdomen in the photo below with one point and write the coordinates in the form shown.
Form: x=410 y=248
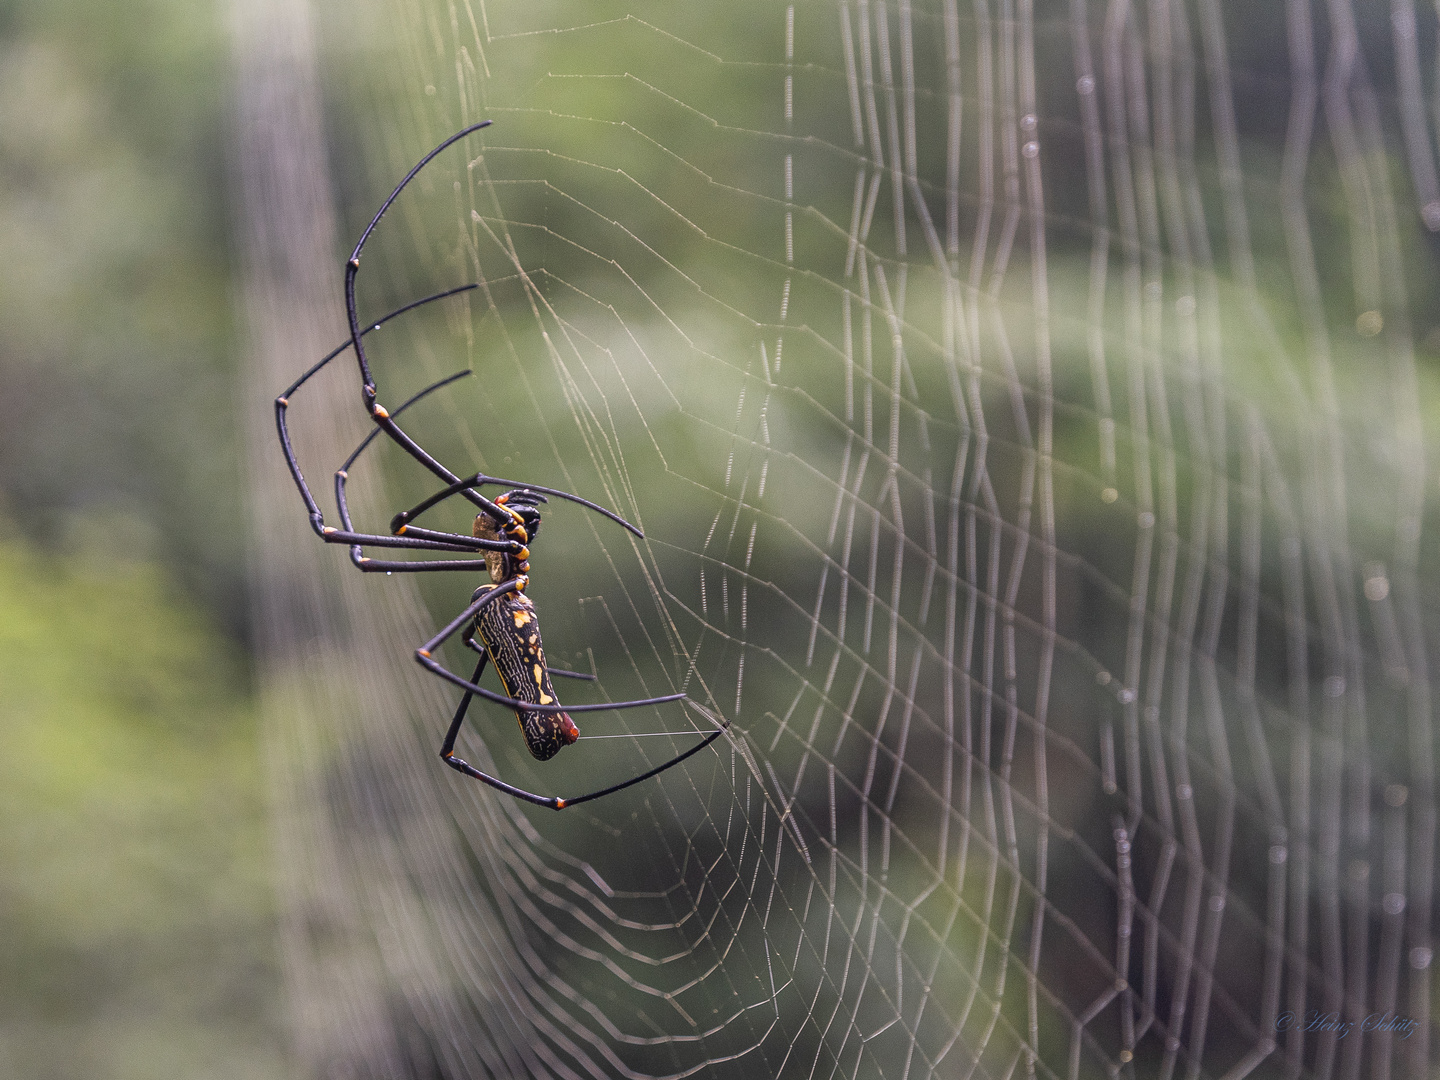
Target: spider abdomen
x=510 y=632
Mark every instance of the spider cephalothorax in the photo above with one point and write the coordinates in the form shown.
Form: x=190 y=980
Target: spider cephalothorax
x=520 y=523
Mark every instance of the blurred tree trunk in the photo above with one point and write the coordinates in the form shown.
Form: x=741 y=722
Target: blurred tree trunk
x=291 y=282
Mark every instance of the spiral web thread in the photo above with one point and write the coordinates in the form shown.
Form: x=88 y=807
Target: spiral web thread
x=1027 y=475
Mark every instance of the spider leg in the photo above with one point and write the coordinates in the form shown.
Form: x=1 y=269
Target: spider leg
x=447 y=750
x=397 y=524
x=369 y=565
x=353 y=266
x=475 y=646
x=447 y=753
x=282 y=404
x=387 y=424
x=479 y=479
x=382 y=417
x=426 y=538
x=561 y=804
x=554 y=802
x=569 y=674
x=425 y=656
x=344 y=469
x=430 y=664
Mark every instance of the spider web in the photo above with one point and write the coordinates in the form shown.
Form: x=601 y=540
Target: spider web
x=1024 y=418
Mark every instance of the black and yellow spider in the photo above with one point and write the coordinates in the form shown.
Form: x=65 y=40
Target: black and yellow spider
x=500 y=622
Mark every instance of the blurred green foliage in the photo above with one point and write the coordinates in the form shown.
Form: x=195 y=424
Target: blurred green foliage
x=136 y=916
x=116 y=341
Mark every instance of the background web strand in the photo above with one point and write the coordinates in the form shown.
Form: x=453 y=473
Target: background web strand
x=1026 y=412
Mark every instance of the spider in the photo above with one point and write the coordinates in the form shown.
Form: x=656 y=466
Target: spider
x=500 y=622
